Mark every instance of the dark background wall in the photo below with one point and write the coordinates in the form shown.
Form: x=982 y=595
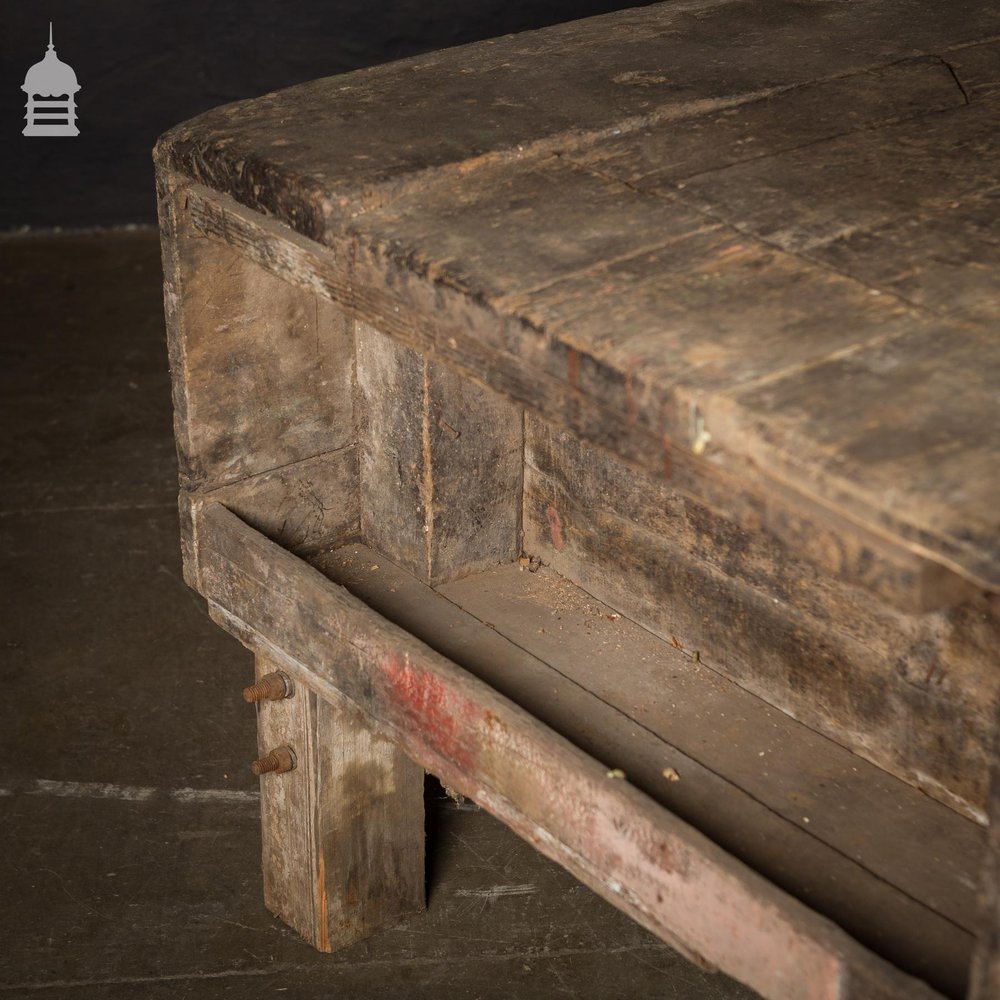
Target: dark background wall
x=145 y=65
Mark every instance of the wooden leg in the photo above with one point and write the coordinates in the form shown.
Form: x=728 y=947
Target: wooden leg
x=343 y=832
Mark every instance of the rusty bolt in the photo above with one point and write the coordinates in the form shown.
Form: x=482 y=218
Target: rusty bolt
x=271 y=687
x=279 y=760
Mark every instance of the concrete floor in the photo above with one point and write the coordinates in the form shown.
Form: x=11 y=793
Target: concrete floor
x=128 y=816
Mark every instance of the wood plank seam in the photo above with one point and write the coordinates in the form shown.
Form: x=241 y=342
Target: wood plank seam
x=208 y=489
x=376 y=196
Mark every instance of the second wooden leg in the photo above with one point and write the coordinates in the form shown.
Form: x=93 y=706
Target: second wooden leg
x=343 y=832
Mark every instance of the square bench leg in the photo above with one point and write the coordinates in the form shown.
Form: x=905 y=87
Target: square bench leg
x=343 y=831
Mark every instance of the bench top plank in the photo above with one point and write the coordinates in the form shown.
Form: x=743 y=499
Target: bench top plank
x=779 y=217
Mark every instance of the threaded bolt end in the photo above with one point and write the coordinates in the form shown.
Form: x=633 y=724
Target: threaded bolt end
x=279 y=760
x=254 y=692
x=265 y=765
x=271 y=687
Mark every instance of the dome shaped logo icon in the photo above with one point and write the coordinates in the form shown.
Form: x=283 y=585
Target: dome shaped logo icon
x=51 y=87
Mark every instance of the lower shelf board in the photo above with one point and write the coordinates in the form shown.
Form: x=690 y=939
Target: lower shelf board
x=895 y=869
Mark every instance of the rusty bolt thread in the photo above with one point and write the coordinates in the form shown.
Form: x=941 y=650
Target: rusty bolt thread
x=279 y=760
x=271 y=687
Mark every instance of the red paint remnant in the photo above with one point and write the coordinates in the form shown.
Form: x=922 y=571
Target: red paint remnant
x=445 y=721
x=572 y=366
x=555 y=527
x=629 y=398
x=668 y=465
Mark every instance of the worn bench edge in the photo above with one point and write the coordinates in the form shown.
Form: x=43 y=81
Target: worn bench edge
x=207 y=148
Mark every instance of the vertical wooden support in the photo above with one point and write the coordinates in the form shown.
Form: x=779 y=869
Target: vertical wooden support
x=984 y=978
x=440 y=463
x=343 y=833
x=261 y=366
x=262 y=373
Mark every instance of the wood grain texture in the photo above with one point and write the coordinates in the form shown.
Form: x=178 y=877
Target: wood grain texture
x=811 y=817
x=631 y=851
x=944 y=261
x=264 y=370
x=908 y=428
x=626 y=71
x=642 y=258
x=342 y=833
x=652 y=159
x=306 y=507
x=908 y=692
x=440 y=462
x=435 y=320
x=261 y=376
x=390 y=398
x=809 y=197
x=430 y=318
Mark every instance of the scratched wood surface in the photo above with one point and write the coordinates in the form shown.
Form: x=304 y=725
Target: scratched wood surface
x=765 y=787
x=908 y=691
x=911 y=692
x=756 y=235
x=436 y=320
x=606 y=831
x=262 y=392
x=440 y=462
x=254 y=360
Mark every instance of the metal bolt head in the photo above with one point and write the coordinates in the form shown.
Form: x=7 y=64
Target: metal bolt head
x=271 y=687
x=279 y=760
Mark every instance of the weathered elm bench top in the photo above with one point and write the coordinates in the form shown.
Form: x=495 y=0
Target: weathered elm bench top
x=695 y=306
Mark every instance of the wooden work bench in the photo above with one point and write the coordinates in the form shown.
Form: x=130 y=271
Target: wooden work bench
x=606 y=419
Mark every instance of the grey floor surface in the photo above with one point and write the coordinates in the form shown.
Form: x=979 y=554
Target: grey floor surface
x=128 y=816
